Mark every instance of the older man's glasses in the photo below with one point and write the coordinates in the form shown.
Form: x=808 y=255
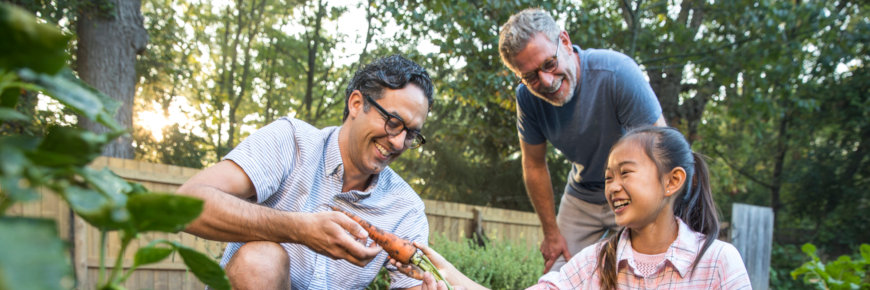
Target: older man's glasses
x=394 y=126
x=550 y=64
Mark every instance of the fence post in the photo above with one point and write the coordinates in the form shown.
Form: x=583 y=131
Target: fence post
x=752 y=235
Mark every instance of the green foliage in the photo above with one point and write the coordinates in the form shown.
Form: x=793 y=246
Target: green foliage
x=843 y=273
x=34 y=241
x=176 y=148
x=19 y=29
x=495 y=265
x=382 y=280
x=58 y=161
x=783 y=260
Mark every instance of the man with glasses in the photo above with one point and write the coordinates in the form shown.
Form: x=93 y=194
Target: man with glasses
x=270 y=197
x=581 y=101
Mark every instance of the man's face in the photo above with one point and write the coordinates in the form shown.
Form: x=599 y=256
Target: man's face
x=557 y=86
x=370 y=148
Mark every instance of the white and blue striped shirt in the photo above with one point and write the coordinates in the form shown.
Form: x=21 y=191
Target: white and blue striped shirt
x=297 y=167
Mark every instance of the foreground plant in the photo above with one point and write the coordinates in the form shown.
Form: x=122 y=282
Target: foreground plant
x=843 y=273
x=33 y=60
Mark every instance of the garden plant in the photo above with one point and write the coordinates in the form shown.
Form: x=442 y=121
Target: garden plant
x=33 y=60
x=842 y=273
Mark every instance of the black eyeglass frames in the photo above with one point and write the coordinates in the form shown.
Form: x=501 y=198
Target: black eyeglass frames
x=394 y=125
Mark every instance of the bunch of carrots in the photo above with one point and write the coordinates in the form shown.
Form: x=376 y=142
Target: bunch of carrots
x=399 y=249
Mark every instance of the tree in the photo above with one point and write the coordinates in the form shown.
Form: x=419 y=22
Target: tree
x=110 y=35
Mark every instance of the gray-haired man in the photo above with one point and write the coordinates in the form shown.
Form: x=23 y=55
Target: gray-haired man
x=581 y=101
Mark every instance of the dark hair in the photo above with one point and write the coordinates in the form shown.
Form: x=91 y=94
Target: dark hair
x=393 y=72
x=668 y=149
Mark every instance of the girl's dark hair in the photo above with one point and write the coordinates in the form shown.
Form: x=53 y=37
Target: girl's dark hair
x=393 y=72
x=694 y=204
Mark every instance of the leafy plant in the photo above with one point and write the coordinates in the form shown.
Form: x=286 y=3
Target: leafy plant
x=495 y=265
x=783 y=260
x=843 y=273
x=33 y=59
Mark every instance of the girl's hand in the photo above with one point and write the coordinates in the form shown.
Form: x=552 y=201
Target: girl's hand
x=429 y=283
x=442 y=264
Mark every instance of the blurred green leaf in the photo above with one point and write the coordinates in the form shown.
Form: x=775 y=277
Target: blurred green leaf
x=7 y=114
x=151 y=254
x=28 y=43
x=204 y=268
x=32 y=256
x=64 y=146
x=163 y=212
x=92 y=206
x=77 y=96
x=810 y=250
x=9 y=97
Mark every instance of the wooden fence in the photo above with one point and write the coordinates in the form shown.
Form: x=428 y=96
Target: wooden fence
x=453 y=220
x=752 y=235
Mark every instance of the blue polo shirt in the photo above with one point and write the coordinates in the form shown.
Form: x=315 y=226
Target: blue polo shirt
x=297 y=167
x=612 y=97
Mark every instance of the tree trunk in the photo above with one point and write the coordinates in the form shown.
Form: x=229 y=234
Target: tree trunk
x=108 y=41
x=313 y=47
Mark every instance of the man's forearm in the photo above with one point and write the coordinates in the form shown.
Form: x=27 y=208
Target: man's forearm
x=541 y=194
x=230 y=219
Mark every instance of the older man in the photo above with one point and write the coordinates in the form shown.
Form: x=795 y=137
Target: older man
x=581 y=101
x=270 y=196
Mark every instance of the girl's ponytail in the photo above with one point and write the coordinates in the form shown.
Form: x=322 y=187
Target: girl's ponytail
x=696 y=208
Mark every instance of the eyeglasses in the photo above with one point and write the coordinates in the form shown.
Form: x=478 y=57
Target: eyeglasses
x=550 y=64
x=394 y=125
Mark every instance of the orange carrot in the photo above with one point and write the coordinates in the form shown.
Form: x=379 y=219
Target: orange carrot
x=414 y=263
x=399 y=249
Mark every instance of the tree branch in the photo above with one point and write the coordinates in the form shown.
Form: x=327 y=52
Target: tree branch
x=741 y=171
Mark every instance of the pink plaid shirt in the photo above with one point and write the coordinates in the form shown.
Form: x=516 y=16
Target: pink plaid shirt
x=720 y=268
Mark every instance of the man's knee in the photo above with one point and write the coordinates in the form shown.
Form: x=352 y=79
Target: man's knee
x=258 y=262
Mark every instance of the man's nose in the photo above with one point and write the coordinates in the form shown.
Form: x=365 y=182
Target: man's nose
x=546 y=78
x=398 y=141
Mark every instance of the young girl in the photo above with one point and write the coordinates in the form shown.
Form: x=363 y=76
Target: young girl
x=660 y=192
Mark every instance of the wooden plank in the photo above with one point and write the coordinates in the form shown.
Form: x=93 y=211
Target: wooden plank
x=160 y=280
x=146 y=279
x=80 y=251
x=114 y=163
x=176 y=279
x=752 y=235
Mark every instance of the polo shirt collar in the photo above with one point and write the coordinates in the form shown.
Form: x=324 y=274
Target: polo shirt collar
x=681 y=253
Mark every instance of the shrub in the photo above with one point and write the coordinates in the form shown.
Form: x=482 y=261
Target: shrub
x=496 y=265
x=843 y=273
x=784 y=259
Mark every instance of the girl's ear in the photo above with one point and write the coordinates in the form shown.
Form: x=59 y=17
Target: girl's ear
x=674 y=180
x=355 y=104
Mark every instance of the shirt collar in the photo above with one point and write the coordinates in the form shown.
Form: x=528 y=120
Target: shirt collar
x=332 y=157
x=681 y=253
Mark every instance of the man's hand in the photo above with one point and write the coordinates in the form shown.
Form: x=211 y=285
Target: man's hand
x=335 y=235
x=552 y=247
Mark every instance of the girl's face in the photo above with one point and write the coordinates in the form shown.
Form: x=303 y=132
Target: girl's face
x=633 y=188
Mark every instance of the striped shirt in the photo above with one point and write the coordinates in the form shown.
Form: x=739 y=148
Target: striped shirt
x=720 y=268
x=296 y=167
